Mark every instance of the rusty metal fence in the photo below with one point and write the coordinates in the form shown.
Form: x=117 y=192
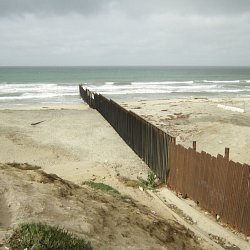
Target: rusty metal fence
x=216 y=184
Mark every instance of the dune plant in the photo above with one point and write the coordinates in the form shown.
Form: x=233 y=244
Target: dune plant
x=149 y=183
x=41 y=236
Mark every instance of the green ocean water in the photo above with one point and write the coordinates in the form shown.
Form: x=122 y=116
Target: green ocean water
x=47 y=85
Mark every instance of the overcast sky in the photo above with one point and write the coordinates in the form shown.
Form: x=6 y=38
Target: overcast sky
x=129 y=32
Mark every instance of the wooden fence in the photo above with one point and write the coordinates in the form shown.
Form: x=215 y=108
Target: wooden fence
x=216 y=184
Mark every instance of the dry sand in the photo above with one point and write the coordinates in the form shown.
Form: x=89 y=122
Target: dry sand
x=203 y=121
x=77 y=144
x=108 y=222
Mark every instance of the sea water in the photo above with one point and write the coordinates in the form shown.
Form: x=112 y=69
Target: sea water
x=20 y=86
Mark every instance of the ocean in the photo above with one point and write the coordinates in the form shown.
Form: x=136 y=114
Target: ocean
x=20 y=86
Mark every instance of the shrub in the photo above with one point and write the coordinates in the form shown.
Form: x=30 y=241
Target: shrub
x=151 y=179
x=42 y=236
x=149 y=183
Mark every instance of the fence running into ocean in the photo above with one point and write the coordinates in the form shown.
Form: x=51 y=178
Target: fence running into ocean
x=216 y=184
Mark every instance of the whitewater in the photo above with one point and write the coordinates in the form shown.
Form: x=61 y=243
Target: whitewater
x=47 y=85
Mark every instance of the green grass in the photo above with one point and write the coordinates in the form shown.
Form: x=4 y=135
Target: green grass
x=101 y=186
x=42 y=236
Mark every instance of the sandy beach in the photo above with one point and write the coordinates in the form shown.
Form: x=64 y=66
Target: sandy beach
x=77 y=144
x=202 y=120
x=65 y=140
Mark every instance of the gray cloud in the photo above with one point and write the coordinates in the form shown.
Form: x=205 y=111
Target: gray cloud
x=139 y=7
x=131 y=32
x=51 y=7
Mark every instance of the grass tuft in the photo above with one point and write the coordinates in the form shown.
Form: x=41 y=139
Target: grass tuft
x=101 y=186
x=41 y=236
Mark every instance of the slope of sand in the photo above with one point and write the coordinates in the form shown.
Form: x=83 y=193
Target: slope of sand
x=203 y=121
x=108 y=222
x=77 y=144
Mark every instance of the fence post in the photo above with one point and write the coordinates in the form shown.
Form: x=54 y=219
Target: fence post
x=194 y=145
x=174 y=140
x=226 y=156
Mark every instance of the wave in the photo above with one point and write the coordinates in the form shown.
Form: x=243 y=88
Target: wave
x=41 y=96
x=37 y=91
x=49 y=92
x=221 y=81
x=147 y=91
x=105 y=88
x=162 y=83
x=160 y=89
x=38 y=96
x=36 y=88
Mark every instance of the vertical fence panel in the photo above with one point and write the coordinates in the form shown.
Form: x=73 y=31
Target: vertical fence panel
x=209 y=181
x=244 y=218
x=233 y=202
x=220 y=186
x=196 y=193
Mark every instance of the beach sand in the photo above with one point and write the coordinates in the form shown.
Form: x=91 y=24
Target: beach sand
x=77 y=144
x=64 y=141
x=201 y=120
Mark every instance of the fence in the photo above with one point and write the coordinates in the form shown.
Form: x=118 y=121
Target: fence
x=218 y=185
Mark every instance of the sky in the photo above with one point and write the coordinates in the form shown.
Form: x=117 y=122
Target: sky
x=129 y=32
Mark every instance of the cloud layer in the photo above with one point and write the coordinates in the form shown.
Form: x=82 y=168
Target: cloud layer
x=113 y=32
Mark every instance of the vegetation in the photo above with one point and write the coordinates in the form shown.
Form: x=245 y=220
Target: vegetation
x=101 y=186
x=41 y=236
x=151 y=179
x=149 y=183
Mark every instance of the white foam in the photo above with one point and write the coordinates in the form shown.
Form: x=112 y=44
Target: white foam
x=221 y=81
x=109 y=83
x=231 y=108
x=37 y=96
x=120 y=89
x=36 y=90
x=138 y=91
x=226 y=90
x=156 y=88
x=162 y=83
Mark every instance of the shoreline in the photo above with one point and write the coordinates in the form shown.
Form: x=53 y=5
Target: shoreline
x=45 y=107
x=238 y=100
